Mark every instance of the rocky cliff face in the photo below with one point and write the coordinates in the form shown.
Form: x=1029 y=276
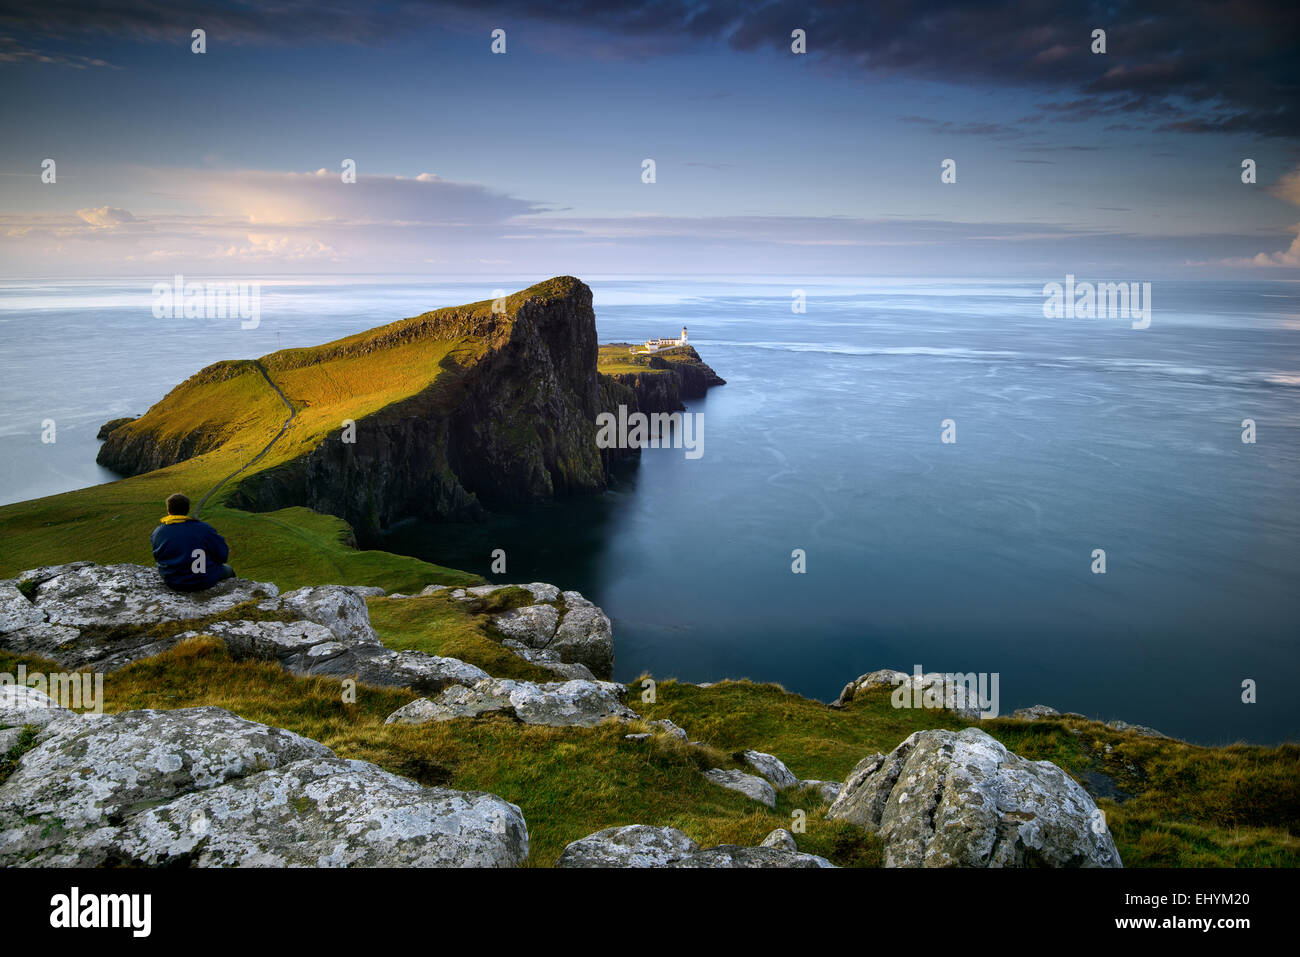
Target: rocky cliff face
x=511 y=425
x=669 y=378
x=509 y=418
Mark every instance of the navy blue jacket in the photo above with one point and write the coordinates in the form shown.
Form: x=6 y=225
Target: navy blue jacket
x=173 y=550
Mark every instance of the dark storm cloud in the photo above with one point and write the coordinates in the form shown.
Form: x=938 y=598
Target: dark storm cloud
x=1183 y=65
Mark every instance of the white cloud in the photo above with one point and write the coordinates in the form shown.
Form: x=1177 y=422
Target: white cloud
x=105 y=216
x=1287 y=188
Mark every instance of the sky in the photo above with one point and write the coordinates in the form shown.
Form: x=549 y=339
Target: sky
x=1125 y=164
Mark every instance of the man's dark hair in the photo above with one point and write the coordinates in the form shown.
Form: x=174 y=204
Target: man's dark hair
x=178 y=504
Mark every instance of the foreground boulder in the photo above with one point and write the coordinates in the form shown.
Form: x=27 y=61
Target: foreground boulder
x=636 y=845
x=203 y=787
x=961 y=799
x=734 y=855
x=639 y=845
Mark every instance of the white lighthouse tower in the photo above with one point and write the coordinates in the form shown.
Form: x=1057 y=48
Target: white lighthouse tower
x=682 y=340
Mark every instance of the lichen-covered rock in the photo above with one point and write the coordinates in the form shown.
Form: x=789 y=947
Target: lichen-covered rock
x=87 y=775
x=270 y=640
x=84 y=615
x=950 y=691
x=750 y=785
x=83 y=593
x=542 y=592
x=771 y=768
x=1034 y=712
x=961 y=799
x=579 y=633
x=639 y=845
x=585 y=635
x=338 y=608
x=377 y=665
x=329 y=813
x=781 y=839
x=550 y=660
x=99 y=617
x=635 y=845
x=732 y=855
x=21 y=707
x=200 y=786
x=533 y=625
x=556 y=704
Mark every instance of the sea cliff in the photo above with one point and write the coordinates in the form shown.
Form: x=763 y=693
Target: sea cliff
x=497 y=407
x=661 y=379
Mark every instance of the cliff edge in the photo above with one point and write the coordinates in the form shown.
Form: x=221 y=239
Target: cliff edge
x=437 y=416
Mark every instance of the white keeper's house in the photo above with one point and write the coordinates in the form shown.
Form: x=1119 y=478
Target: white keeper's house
x=652 y=345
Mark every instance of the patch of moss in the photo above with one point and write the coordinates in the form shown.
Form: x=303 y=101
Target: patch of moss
x=9 y=760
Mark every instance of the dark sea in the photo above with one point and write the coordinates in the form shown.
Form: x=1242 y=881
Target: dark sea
x=977 y=555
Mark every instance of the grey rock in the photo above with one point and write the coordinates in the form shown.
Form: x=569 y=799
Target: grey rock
x=550 y=660
x=85 y=594
x=961 y=799
x=635 y=845
x=669 y=728
x=639 y=845
x=16 y=611
x=781 y=839
x=556 y=704
x=752 y=786
x=732 y=855
x=542 y=592
x=329 y=813
x=1137 y=729
x=338 y=608
x=377 y=665
x=21 y=707
x=585 y=635
x=203 y=787
x=271 y=640
x=771 y=768
x=1034 y=712
x=533 y=625
x=419 y=711
x=640 y=736
x=310 y=649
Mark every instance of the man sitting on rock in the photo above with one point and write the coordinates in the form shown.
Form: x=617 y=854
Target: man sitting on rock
x=190 y=554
